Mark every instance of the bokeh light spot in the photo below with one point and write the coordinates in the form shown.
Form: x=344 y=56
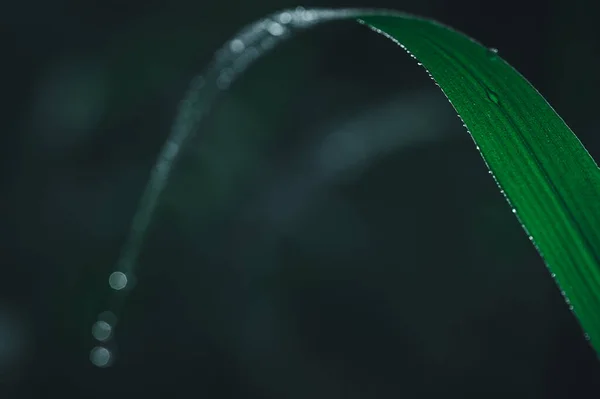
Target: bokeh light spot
x=117 y=280
x=100 y=356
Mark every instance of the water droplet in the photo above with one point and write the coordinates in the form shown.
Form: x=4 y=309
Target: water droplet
x=308 y=15
x=492 y=53
x=237 y=46
x=587 y=336
x=285 y=17
x=298 y=14
x=276 y=29
x=101 y=330
x=514 y=210
x=117 y=280
x=553 y=275
x=100 y=356
x=492 y=96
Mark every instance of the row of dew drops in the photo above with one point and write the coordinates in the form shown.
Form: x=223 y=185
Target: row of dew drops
x=103 y=328
x=259 y=38
x=235 y=57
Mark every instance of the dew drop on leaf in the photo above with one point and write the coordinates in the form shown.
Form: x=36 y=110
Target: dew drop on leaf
x=117 y=281
x=492 y=53
x=285 y=17
x=276 y=29
x=237 y=46
x=101 y=330
x=100 y=356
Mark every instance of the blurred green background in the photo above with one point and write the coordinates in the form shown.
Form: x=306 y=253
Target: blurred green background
x=331 y=233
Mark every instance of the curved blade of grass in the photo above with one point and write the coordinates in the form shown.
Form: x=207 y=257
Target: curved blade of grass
x=541 y=167
x=547 y=176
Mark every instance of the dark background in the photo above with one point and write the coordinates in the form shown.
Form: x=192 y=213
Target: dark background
x=394 y=269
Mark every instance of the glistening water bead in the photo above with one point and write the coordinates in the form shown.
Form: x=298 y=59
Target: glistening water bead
x=285 y=17
x=276 y=29
x=117 y=280
x=101 y=330
x=492 y=53
x=237 y=46
x=100 y=356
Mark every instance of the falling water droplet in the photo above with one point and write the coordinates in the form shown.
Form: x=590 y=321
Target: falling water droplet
x=492 y=96
x=308 y=15
x=237 y=46
x=285 y=17
x=100 y=356
x=101 y=330
x=276 y=29
x=492 y=53
x=117 y=280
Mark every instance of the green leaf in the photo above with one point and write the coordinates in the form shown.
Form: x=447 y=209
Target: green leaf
x=545 y=173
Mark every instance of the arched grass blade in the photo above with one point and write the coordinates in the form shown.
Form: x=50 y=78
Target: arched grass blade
x=550 y=180
x=548 y=177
